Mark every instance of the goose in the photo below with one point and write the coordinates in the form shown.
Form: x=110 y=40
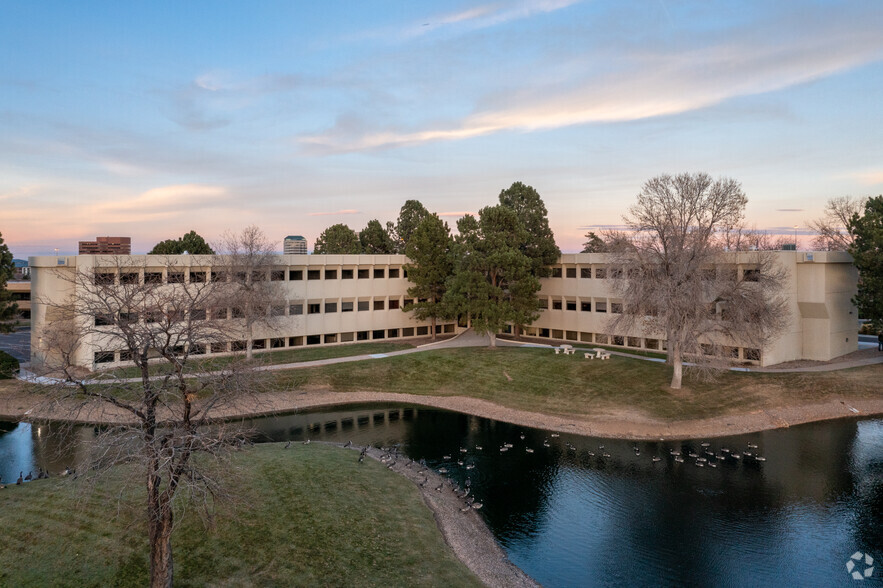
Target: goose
x=656 y=459
x=528 y=450
x=348 y=444
x=439 y=487
x=307 y=442
x=477 y=505
x=465 y=508
x=674 y=453
x=29 y=477
x=522 y=436
x=705 y=444
x=287 y=445
x=712 y=465
x=546 y=443
x=67 y=471
x=679 y=459
x=554 y=435
x=443 y=470
x=752 y=446
x=463 y=450
x=605 y=455
x=759 y=458
x=470 y=467
x=20 y=479
x=446 y=457
x=478 y=447
x=503 y=449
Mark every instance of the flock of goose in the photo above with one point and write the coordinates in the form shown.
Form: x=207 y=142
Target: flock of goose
x=41 y=475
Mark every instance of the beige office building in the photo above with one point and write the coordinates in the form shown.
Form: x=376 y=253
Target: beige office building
x=339 y=299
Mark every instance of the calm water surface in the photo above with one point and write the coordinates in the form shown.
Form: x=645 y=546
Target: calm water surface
x=571 y=513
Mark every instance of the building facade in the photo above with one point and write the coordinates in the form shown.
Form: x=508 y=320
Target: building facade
x=107 y=246
x=338 y=299
x=294 y=245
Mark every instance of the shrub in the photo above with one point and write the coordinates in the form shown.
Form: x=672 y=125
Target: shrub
x=8 y=366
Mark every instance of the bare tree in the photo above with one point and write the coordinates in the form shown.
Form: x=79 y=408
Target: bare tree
x=742 y=239
x=833 y=226
x=252 y=290
x=124 y=309
x=675 y=279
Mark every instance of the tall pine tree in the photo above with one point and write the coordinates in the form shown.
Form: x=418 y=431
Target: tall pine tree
x=430 y=251
x=8 y=308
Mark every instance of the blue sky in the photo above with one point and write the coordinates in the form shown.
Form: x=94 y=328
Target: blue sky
x=152 y=119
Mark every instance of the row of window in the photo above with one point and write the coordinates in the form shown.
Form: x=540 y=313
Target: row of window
x=276 y=275
x=584 y=305
x=293 y=309
x=104 y=357
x=602 y=273
x=729 y=352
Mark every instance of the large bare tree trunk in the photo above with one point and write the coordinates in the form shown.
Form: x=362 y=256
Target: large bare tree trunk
x=493 y=339
x=159 y=516
x=678 y=364
x=433 y=329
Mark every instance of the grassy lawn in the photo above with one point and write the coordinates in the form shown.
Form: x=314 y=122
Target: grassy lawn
x=316 y=517
x=291 y=355
x=540 y=381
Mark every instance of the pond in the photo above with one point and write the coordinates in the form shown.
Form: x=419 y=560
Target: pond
x=582 y=511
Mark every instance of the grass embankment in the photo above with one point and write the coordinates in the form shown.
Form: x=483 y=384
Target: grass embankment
x=316 y=517
x=539 y=381
x=296 y=355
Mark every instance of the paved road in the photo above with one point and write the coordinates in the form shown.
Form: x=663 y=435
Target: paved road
x=17 y=344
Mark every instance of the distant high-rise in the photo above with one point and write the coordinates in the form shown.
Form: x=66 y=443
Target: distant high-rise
x=294 y=244
x=107 y=245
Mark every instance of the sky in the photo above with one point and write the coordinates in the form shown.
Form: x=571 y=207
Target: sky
x=151 y=119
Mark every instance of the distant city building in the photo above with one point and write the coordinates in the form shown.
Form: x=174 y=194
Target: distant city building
x=22 y=271
x=294 y=245
x=107 y=245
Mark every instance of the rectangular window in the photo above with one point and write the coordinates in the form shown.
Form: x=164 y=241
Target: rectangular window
x=237 y=345
x=393 y=272
x=393 y=303
x=314 y=339
x=197 y=314
x=258 y=276
x=219 y=348
x=104 y=278
x=295 y=309
x=544 y=333
x=330 y=307
x=219 y=314
x=364 y=305
x=585 y=272
x=238 y=312
x=128 y=278
x=570 y=335
x=544 y=303
x=277 y=311
x=363 y=274
x=198 y=277
x=126 y=355
x=585 y=306
x=346 y=274
x=378 y=304
x=571 y=305
x=392 y=333
x=277 y=342
x=751 y=354
x=408 y=332
x=314 y=308
x=556 y=272
x=104 y=357
x=346 y=307
x=601 y=306
x=314 y=274
x=751 y=275
x=295 y=341
x=618 y=340
x=556 y=305
x=347 y=337
x=422 y=331
x=176 y=278
x=600 y=273
x=295 y=275
x=654 y=344
x=405 y=272
x=408 y=302
x=259 y=344
x=331 y=274
x=152 y=277
x=634 y=342
x=616 y=307
x=362 y=336
x=277 y=276
x=216 y=276
x=378 y=334
x=557 y=334
x=103 y=320
x=601 y=339
x=331 y=338
x=571 y=272
x=379 y=273
x=585 y=337
x=449 y=328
